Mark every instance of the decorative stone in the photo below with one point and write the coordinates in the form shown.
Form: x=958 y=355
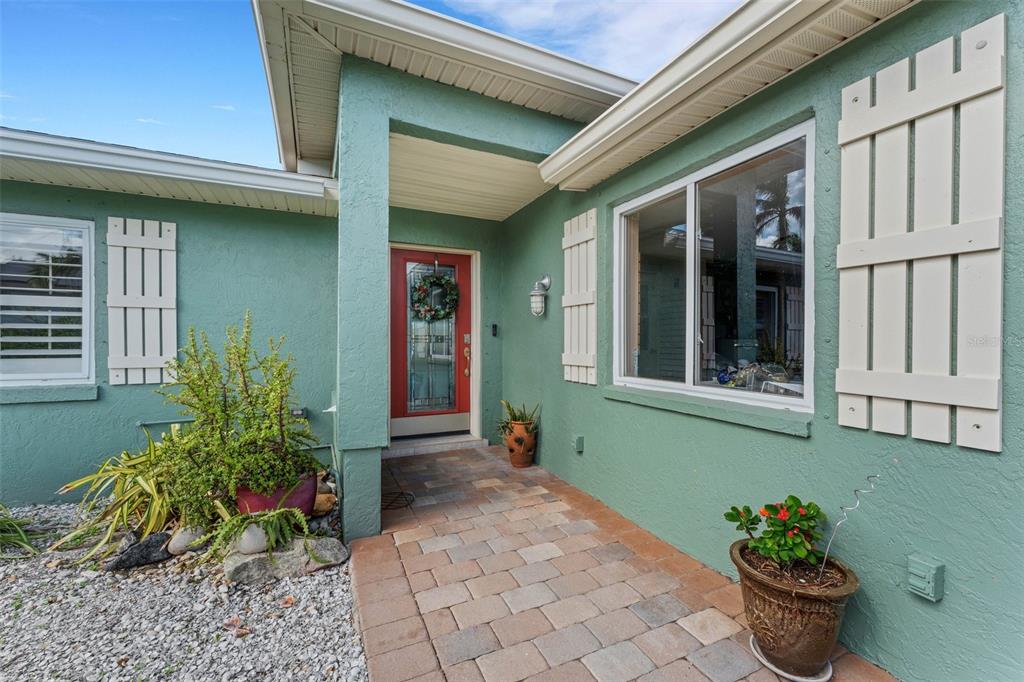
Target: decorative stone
x=183 y=540
x=324 y=503
x=253 y=540
x=149 y=551
x=300 y=557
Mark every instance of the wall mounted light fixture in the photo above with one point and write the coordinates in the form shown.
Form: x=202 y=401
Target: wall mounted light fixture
x=538 y=295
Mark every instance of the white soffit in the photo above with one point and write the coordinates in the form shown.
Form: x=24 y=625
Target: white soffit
x=444 y=178
x=69 y=162
x=757 y=45
x=303 y=42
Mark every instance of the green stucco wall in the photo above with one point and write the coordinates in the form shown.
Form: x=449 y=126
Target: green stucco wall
x=374 y=101
x=281 y=266
x=676 y=473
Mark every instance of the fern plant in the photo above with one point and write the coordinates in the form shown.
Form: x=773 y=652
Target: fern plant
x=281 y=525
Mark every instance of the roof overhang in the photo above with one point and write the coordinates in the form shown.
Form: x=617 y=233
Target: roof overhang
x=303 y=41
x=51 y=159
x=759 y=44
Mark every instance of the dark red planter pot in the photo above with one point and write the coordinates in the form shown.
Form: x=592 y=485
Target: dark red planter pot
x=302 y=498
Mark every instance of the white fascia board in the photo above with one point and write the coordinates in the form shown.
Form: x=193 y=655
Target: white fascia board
x=753 y=26
x=21 y=144
x=445 y=36
x=269 y=18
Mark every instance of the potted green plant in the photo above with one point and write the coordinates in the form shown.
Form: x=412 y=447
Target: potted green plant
x=519 y=429
x=794 y=597
x=244 y=443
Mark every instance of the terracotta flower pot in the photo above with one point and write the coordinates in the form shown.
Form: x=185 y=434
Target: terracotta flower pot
x=522 y=445
x=795 y=627
x=302 y=497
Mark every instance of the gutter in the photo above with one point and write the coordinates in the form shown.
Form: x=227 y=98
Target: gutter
x=23 y=144
x=753 y=26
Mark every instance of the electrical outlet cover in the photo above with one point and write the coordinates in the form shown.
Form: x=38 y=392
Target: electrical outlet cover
x=925 y=576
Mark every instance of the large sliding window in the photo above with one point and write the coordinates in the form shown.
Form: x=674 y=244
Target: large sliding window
x=714 y=277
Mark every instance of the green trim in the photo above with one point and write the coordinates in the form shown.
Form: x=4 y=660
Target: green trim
x=65 y=393
x=413 y=130
x=764 y=418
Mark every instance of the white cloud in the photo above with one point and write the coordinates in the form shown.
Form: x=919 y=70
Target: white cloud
x=150 y=121
x=223 y=107
x=6 y=95
x=630 y=37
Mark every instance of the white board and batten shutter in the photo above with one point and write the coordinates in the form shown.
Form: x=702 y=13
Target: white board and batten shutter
x=141 y=300
x=579 y=304
x=927 y=245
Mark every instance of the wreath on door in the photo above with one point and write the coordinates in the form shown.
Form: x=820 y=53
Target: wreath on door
x=423 y=306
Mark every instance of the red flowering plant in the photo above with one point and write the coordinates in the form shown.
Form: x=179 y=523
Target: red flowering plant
x=791 y=529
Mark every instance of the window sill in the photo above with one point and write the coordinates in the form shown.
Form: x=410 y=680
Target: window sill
x=56 y=393
x=779 y=420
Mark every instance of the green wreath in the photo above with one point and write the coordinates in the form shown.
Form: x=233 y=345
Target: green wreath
x=423 y=308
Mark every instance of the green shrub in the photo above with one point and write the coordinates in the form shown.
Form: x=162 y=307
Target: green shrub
x=243 y=432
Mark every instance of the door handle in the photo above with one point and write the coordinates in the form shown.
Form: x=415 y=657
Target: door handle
x=466 y=352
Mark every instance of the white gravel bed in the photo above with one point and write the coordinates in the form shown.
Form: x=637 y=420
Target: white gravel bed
x=169 y=621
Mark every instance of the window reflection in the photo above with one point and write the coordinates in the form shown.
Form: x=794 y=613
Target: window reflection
x=657 y=290
x=751 y=305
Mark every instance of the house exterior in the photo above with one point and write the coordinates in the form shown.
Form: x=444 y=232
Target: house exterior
x=743 y=303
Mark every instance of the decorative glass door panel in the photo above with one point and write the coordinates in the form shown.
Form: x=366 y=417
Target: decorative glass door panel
x=431 y=344
x=431 y=348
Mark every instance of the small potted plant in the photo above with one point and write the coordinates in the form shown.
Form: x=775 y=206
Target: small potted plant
x=244 y=443
x=519 y=428
x=794 y=597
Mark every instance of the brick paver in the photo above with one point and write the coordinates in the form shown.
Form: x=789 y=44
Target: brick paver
x=498 y=574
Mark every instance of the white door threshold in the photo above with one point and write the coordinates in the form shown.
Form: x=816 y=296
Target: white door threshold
x=406 y=447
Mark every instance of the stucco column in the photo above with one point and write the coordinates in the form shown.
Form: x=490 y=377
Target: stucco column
x=360 y=422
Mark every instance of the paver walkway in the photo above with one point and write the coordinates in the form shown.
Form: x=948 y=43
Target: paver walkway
x=503 y=574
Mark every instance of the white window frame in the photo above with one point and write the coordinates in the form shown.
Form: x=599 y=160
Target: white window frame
x=87 y=375
x=688 y=183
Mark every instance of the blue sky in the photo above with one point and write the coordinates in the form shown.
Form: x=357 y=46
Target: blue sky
x=187 y=77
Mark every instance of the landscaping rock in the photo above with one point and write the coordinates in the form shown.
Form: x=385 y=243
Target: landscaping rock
x=184 y=539
x=325 y=552
x=301 y=557
x=324 y=503
x=253 y=540
x=170 y=621
x=150 y=550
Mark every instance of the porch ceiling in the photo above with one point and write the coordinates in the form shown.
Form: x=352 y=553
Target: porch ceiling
x=445 y=178
x=303 y=42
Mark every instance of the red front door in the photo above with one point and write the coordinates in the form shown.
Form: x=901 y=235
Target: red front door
x=430 y=358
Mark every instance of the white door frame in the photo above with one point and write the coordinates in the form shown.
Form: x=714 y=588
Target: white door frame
x=475 y=360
